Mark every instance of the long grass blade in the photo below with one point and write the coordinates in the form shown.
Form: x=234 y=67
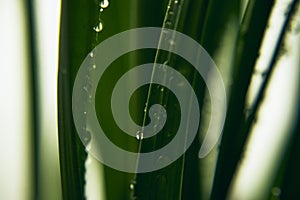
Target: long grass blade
x=34 y=96
x=232 y=143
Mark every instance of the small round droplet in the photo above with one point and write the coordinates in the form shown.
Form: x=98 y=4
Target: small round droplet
x=91 y=54
x=172 y=42
x=87 y=136
x=176 y=1
x=163 y=159
x=168 y=23
x=155 y=127
x=88 y=147
x=162 y=89
x=84 y=112
x=131 y=186
x=181 y=84
x=94 y=66
x=139 y=135
x=101 y=9
x=104 y=4
x=87 y=87
x=99 y=27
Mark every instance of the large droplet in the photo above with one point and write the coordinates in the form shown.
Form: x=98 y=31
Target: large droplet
x=104 y=4
x=139 y=135
x=87 y=137
x=99 y=27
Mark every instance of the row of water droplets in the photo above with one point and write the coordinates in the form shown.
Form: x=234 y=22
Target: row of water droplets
x=88 y=86
x=170 y=22
x=103 y=4
x=90 y=164
x=166 y=39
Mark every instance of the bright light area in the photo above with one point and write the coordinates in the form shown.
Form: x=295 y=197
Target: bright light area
x=47 y=15
x=94 y=188
x=15 y=177
x=271 y=132
x=16 y=145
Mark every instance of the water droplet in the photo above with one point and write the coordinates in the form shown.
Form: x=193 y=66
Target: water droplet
x=99 y=27
x=104 y=4
x=155 y=127
x=91 y=54
x=84 y=112
x=276 y=191
x=176 y=1
x=87 y=136
x=162 y=89
x=94 y=66
x=87 y=87
x=139 y=135
x=164 y=31
x=86 y=139
x=145 y=109
x=132 y=195
x=131 y=186
x=172 y=42
x=88 y=147
x=181 y=84
x=101 y=9
x=157 y=116
x=163 y=160
x=168 y=23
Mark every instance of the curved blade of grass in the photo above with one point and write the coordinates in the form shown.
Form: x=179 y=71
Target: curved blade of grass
x=288 y=176
x=213 y=34
x=78 y=38
x=34 y=96
x=271 y=66
x=271 y=129
x=218 y=37
x=232 y=143
x=179 y=180
x=165 y=183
